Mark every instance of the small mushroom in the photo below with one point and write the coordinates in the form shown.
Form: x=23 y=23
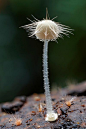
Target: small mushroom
x=47 y=30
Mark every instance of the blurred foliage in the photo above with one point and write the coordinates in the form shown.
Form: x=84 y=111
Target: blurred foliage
x=21 y=57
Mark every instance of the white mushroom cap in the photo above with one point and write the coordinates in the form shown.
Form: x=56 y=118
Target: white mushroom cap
x=47 y=29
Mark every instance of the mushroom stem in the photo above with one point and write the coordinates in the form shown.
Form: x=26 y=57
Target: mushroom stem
x=46 y=79
x=51 y=115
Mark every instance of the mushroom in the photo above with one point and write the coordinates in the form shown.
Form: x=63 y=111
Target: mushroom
x=47 y=30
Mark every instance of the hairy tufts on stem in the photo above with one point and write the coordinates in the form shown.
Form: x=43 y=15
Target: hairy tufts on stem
x=46 y=79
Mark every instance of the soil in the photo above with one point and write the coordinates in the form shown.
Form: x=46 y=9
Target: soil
x=29 y=112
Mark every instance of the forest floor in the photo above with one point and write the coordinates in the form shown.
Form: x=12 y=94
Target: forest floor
x=29 y=112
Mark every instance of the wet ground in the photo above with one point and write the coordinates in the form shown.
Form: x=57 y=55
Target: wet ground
x=29 y=112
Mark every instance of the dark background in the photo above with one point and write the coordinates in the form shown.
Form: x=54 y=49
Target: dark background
x=21 y=57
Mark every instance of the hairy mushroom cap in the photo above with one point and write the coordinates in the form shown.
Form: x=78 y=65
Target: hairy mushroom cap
x=47 y=29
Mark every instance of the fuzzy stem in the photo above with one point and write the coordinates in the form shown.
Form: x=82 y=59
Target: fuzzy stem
x=46 y=80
